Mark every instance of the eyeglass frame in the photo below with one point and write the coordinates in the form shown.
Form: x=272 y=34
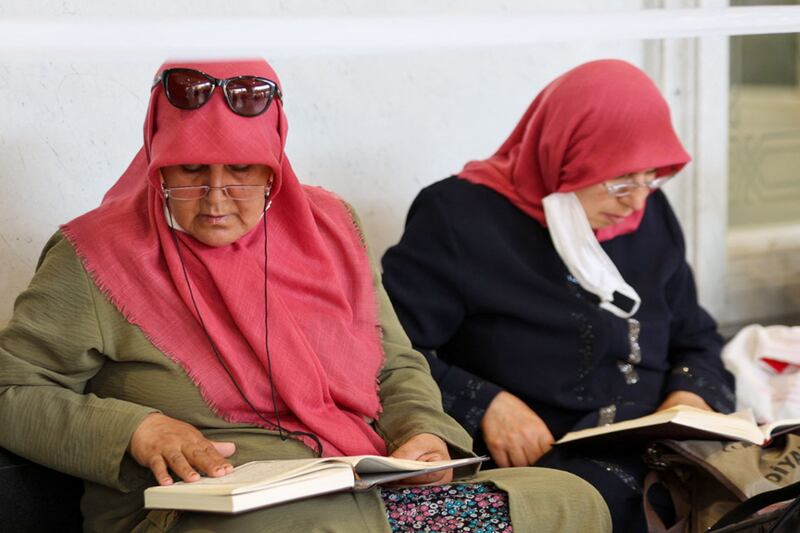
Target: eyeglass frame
x=161 y=79
x=621 y=190
x=207 y=188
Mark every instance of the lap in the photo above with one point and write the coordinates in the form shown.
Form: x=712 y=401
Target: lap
x=540 y=500
x=332 y=513
x=544 y=499
x=617 y=476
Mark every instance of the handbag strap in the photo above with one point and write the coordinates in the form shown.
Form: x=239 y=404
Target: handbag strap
x=679 y=501
x=756 y=503
x=791 y=511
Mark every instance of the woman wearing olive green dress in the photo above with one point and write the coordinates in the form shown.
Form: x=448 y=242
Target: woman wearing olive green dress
x=213 y=311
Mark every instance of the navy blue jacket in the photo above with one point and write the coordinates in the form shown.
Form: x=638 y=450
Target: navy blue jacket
x=481 y=291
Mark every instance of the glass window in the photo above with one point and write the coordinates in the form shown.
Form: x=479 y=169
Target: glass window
x=764 y=127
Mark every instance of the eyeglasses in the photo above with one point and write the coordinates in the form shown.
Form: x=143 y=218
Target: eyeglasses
x=627 y=187
x=248 y=96
x=234 y=192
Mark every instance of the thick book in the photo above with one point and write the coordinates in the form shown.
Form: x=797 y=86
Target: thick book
x=263 y=483
x=682 y=423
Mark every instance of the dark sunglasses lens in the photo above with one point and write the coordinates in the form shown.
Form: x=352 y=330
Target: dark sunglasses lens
x=249 y=96
x=187 y=89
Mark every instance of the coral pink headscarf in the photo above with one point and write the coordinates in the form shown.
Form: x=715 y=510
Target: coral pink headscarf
x=599 y=121
x=324 y=339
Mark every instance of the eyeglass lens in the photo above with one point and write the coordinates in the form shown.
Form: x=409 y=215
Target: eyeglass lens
x=625 y=188
x=234 y=192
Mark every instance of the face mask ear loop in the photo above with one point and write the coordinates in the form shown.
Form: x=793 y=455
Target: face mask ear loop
x=610 y=307
x=170 y=220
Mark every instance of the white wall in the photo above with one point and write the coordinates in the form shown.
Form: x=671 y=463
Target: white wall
x=373 y=127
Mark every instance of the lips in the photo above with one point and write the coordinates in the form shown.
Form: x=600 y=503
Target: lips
x=214 y=220
x=615 y=219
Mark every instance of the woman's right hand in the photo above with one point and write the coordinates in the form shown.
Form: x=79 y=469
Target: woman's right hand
x=161 y=443
x=514 y=434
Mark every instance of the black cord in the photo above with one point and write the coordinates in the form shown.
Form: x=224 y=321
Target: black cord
x=266 y=325
x=283 y=432
x=312 y=436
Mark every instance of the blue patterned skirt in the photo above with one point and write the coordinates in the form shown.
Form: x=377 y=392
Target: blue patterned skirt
x=475 y=508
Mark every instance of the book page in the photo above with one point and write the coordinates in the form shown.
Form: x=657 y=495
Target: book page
x=705 y=425
x=253 y=476
x=779 y=427
x=372 y=464
x=378 y=477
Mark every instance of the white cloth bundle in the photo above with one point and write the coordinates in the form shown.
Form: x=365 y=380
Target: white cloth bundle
x=766 y=363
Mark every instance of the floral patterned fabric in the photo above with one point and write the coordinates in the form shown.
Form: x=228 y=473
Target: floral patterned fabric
x=476 y=508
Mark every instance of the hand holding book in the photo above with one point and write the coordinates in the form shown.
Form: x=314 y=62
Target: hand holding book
x=514 y=434
x=161 y=443
x=682 y=397
x=681 y=423
x=425 y=447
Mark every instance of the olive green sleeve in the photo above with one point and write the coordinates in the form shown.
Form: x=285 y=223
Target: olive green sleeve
x=411 y=400
x=50 y=349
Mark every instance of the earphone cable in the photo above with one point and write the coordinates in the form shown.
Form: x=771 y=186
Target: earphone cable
x=283 y=432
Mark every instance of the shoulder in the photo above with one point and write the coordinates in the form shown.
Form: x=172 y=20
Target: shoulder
x=456 y=193
x=60 y=277
x=330 y=203
x=466 y=207
x=473 y=220
x=59 y=253
x=322 y=197
x=337 y=209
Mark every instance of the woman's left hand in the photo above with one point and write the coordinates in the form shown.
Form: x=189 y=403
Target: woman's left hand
x=425 y=447
x=682 y=397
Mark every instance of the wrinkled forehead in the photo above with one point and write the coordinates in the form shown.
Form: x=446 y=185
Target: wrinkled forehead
x=226 y=69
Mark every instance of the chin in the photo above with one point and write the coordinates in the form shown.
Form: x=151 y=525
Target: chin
x=600 y=225
x=215 y=241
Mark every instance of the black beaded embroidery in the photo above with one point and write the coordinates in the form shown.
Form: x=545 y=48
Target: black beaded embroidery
x=472 y=418
x=586 y=337
x=624 y=476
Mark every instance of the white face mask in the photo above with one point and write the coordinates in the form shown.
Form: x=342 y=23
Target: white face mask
x=578 y=247
x=171 y=222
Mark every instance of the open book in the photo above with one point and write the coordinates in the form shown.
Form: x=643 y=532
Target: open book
x=263 y=483
x=683 y=423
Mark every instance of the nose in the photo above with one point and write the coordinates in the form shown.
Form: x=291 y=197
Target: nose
x=637 y=198
x=217 y=175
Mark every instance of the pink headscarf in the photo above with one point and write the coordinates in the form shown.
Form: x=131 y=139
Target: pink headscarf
x=599 y=121
x=324 y=338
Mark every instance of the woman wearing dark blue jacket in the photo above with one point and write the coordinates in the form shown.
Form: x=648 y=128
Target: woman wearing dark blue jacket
x=548 y=284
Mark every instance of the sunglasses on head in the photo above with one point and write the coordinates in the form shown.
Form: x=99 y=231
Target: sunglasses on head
x=187 y=88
